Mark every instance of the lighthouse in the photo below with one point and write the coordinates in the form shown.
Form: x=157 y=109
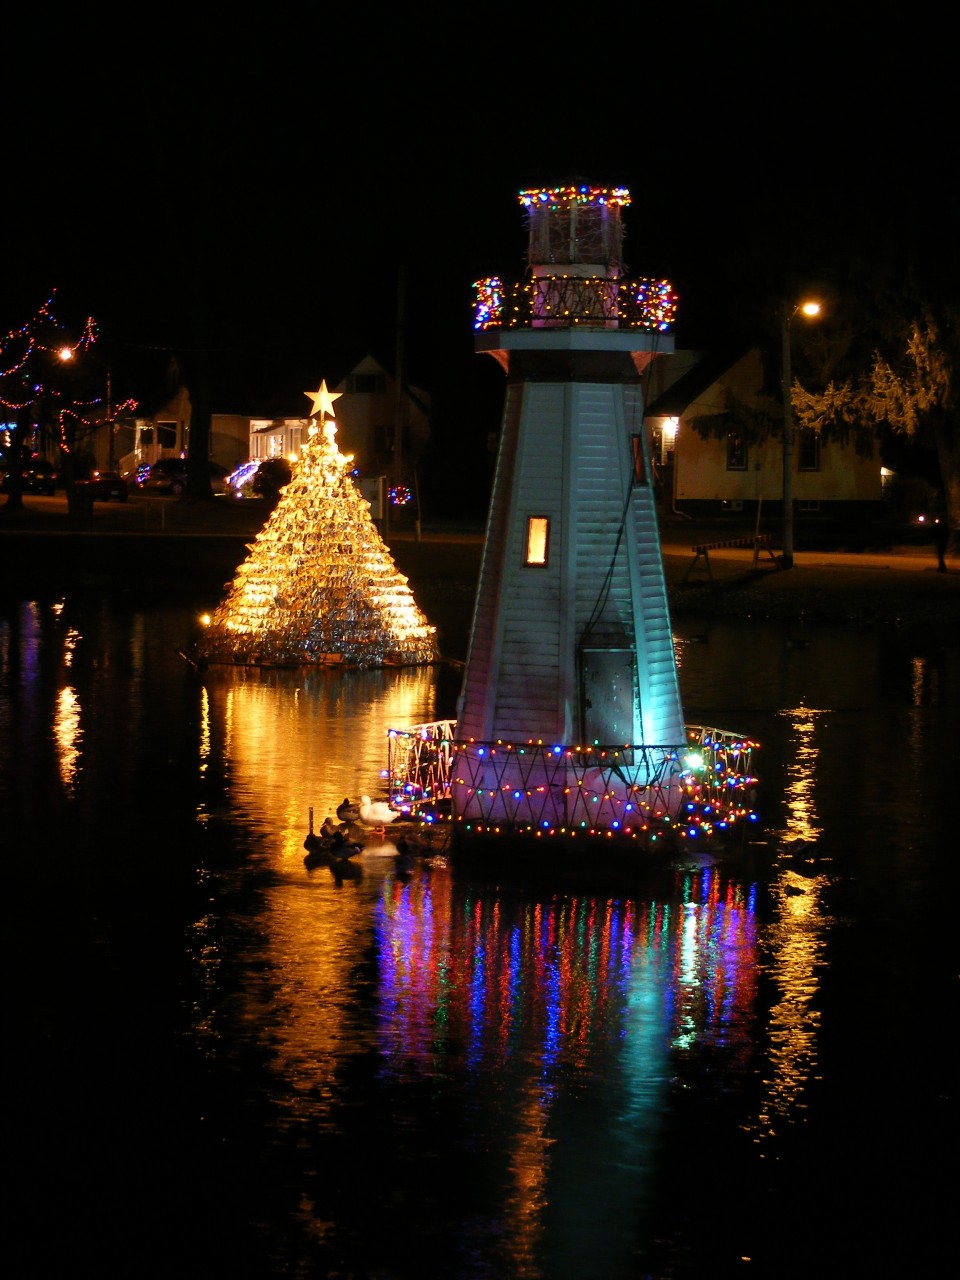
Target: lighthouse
x=569 y=722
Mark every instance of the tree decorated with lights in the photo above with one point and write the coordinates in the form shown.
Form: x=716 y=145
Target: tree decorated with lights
x=319 y=585
x=47 y=398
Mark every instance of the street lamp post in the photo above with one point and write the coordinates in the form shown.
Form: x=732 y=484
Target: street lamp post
x=786 y=319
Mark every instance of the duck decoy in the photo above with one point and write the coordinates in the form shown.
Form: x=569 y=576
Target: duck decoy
x=316 y=846
x=347 y=811
x=340 y=847
x=318 y=857
x=318 y=850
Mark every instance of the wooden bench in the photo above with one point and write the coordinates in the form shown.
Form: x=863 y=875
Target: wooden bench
x=759 y=542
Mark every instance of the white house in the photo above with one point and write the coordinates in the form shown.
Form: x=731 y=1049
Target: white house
x=728 y=471
x=385 y=430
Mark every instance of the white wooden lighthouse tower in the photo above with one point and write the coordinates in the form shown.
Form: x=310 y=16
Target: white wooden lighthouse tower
x=570 y=722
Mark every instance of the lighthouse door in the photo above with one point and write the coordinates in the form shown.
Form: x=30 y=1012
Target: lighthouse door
x=607 y=683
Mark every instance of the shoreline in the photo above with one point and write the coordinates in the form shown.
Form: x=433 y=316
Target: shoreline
x=174 y=546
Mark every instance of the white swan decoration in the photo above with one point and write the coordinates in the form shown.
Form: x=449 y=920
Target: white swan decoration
x=376 y=813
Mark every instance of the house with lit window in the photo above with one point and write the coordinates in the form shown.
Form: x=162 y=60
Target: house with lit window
x=384 y=428
x=734 y=461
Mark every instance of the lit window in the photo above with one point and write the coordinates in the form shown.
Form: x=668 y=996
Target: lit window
x=639 y=470
x=538 y=530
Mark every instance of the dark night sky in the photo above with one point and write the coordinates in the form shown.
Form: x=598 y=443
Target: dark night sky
x=300 y=161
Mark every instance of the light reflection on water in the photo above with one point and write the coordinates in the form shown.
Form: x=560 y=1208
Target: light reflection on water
x=800 y=796
x=795 y=943
x=295 y=741
x=525 y=1081
x=555 y=1030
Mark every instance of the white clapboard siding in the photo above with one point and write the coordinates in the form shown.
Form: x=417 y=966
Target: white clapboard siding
x=565 y=453
x=527 y=661
x=661 y=710
x=622 y=568
x=479 y=687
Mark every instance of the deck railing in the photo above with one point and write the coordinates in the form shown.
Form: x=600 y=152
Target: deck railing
x=701 y=787
x=565 y=302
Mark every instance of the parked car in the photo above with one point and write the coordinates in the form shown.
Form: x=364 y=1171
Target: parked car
x=166 y=475
x=169 y=475
x=37 y=476
x=105 y=486
x=270 y=477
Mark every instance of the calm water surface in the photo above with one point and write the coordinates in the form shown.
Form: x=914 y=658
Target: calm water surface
x=222 y=1063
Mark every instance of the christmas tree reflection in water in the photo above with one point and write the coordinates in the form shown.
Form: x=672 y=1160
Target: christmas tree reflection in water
x=319 y=585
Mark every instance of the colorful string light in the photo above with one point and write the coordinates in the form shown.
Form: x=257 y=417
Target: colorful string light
x=569 y=301
x=695 y=792
x=566 y=197
x=40 y=342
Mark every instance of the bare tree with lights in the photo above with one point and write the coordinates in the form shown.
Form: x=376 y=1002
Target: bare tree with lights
x=319 y=585
x=48 y=400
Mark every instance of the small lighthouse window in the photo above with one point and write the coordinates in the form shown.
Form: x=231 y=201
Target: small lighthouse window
x=538 y=530
x=639 y=469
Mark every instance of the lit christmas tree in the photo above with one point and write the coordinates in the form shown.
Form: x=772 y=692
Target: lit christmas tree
x=319 y=585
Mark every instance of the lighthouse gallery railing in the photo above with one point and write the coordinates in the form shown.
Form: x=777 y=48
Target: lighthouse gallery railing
x=701 y=787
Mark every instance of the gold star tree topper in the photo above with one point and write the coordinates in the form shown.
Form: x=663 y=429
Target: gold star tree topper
x=323 y=401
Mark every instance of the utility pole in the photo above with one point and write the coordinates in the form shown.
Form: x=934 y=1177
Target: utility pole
x=786 y=315
x=111 y=426
x=398 y=406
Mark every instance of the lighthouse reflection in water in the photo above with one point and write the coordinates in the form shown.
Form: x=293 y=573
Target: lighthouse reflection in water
x=261 y=1069
x=556 y=1024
